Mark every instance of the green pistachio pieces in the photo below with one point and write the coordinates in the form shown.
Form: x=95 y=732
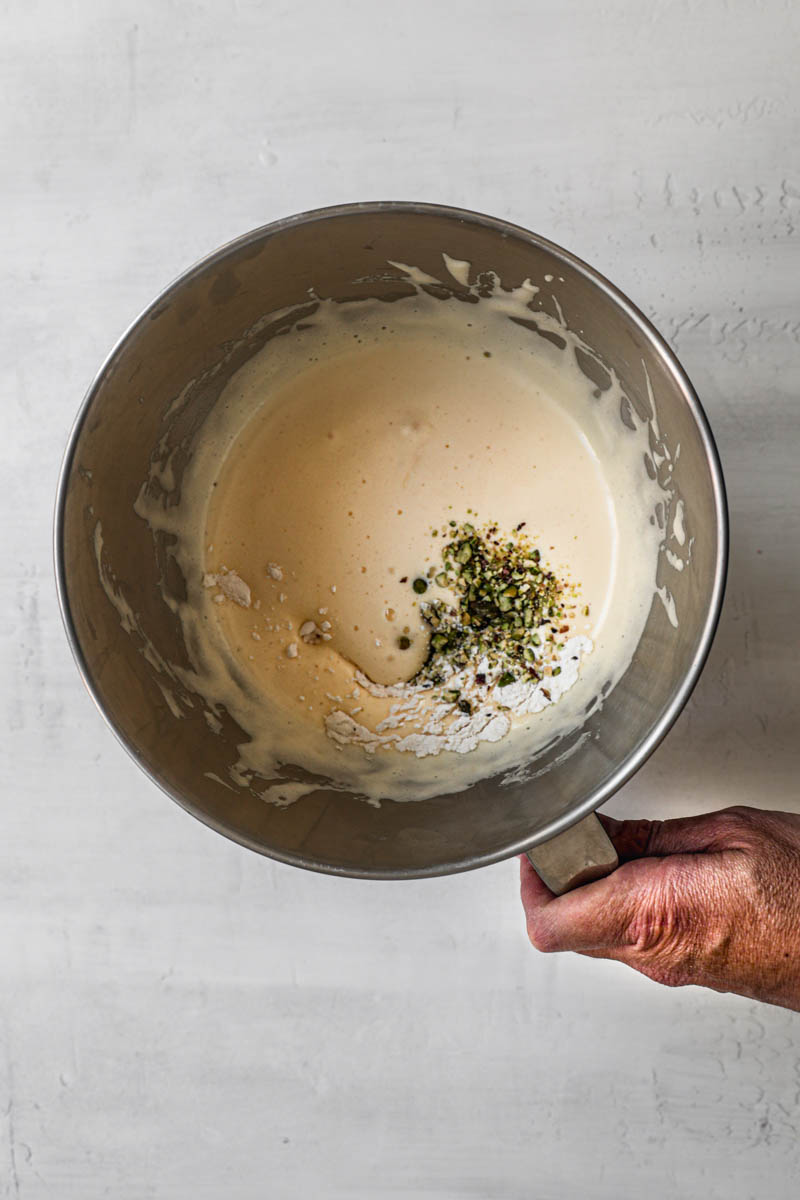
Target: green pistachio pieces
x=505 y=603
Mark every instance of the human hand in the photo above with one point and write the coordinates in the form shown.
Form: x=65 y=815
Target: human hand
x=711 y=900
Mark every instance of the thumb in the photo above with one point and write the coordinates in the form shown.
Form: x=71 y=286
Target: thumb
x=600 y=917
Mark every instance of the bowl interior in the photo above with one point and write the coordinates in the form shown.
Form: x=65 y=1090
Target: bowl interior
x=188 y=344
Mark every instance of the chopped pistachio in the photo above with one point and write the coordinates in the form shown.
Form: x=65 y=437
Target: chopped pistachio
x=502 y=599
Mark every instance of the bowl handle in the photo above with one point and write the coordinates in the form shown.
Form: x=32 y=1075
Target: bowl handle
x=578 y=855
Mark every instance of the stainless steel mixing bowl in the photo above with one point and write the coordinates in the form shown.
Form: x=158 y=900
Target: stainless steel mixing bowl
x=193 y=337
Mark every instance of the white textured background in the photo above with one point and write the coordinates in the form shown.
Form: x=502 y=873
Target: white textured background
x=180 y=1018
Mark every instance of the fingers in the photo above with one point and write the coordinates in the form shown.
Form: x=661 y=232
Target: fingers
x=594 y=917
x=728 y=829
x=693 y=901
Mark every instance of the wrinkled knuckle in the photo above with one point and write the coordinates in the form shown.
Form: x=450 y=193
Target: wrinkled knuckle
x=745 y=812
x=658 y=933
x=662 y=935
x=669 y=957
x=736 y=829
x=740 y=822
x=732 y=821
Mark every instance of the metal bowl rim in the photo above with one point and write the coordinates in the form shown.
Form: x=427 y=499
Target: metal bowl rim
x=669 y=715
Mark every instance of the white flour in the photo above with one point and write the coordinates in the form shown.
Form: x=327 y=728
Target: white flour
x=445 y=728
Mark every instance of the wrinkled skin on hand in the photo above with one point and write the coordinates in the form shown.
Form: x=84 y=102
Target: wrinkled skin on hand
x=711 y=900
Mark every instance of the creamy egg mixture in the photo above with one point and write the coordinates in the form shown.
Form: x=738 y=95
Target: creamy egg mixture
x=323 y=489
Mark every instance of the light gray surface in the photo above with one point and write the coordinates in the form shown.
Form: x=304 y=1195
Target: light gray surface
x=182 y=1019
